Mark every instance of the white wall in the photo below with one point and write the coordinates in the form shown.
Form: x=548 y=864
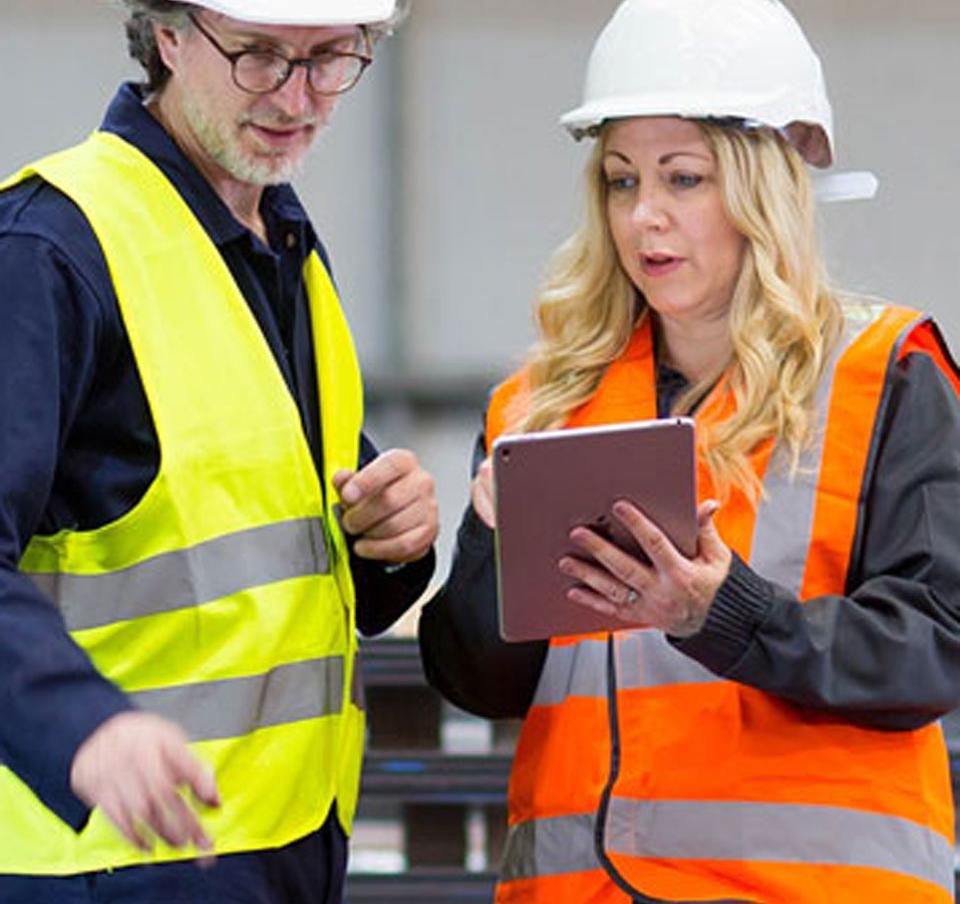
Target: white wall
x=445 y=180
x=893 y=69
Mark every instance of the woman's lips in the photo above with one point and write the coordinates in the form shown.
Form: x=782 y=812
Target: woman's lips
x=659 y=264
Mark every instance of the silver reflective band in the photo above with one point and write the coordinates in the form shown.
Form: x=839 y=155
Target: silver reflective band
x=776 y=832
x=234 y=707
x=738 y=831
x=786 y=511
x=190 y=577
x=549 y=847
x=572 y=670
x=644 y=658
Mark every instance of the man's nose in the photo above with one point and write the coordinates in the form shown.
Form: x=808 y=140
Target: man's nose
x=295 y=97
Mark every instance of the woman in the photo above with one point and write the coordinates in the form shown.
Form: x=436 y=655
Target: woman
x=773 y=736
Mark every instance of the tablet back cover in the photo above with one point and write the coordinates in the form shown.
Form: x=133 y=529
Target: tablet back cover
x=547 y=483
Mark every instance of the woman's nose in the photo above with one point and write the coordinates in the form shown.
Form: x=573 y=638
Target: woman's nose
x=649 y=211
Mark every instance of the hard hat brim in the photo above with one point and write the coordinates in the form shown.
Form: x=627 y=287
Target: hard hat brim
x=589 y=116
x=303 y=12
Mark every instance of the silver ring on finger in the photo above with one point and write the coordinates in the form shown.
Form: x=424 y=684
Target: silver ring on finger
x=632 y=597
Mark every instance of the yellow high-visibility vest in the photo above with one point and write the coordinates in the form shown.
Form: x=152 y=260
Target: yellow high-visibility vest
x=223 y=600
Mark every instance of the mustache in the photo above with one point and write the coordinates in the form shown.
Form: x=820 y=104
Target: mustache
x=279 y=121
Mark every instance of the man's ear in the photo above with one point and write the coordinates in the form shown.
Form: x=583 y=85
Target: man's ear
x=169 y=44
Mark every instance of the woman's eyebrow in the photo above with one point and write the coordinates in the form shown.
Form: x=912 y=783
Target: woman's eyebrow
x=664 y=159
x=614 y=153
x=672 y=155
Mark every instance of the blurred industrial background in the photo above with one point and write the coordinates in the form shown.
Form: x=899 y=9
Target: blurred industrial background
x=445 y=181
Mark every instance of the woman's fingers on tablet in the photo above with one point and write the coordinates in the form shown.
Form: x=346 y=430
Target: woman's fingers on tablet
x=652 y=540
x=625 y=568
x=597 y=602
x=611 y=589
x=672 y=592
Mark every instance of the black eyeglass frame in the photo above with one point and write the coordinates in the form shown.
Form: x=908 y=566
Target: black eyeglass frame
x=365 y=59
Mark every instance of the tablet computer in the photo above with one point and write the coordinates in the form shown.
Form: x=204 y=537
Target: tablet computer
x=547 y=483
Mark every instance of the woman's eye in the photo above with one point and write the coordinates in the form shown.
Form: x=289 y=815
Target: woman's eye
x=686 y=180
x=621 y=183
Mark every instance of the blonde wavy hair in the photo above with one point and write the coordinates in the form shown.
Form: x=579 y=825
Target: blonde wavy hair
x=784 y=318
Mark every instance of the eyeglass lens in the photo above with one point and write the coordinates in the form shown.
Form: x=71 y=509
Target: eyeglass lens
x=328 y=72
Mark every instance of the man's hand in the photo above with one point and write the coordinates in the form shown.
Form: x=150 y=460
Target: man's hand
x=390 y=506
x=134 y=767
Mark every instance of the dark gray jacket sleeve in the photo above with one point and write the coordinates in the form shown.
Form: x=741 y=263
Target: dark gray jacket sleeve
x=887 y=654
x=463 y=654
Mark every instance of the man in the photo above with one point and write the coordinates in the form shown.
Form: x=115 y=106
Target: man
x=184 y=477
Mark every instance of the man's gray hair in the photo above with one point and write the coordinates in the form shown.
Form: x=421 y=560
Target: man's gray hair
x=382 y=29
x=141 y=42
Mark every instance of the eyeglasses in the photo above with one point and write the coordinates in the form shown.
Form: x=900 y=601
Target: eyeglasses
x=329 y=71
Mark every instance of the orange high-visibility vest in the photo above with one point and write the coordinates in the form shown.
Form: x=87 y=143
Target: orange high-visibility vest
x=716 y=791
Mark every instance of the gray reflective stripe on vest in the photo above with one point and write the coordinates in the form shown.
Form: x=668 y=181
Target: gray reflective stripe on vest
x=233 y=707
x=549 y=847
x=358 y=695
x=646 y=659
x=190 y=577
x=743 y=832
x=643 y=659
x=572 y=670
x=785 y=513
x=781 y=833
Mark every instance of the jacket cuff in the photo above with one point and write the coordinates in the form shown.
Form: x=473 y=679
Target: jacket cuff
x=54 y=791
x=739 y=608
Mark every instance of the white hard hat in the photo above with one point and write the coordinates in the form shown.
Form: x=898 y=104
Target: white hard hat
x=746 y=59
x=303 y=12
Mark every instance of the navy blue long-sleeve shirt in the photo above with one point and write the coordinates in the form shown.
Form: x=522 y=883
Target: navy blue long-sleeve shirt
x=77 y=444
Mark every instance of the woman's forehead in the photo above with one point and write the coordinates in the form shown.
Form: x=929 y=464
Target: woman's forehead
x=640 y=133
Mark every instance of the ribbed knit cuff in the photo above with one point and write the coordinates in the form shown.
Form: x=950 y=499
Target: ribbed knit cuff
x=740 y=607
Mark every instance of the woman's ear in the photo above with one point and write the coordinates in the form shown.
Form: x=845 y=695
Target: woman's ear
x=812 y=143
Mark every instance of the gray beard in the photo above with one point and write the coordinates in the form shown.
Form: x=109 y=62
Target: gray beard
x=264 y=171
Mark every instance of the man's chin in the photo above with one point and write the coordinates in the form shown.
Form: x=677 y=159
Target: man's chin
x=266 y=171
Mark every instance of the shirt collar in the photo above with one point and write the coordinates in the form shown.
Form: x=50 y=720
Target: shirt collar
x=128 y=117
